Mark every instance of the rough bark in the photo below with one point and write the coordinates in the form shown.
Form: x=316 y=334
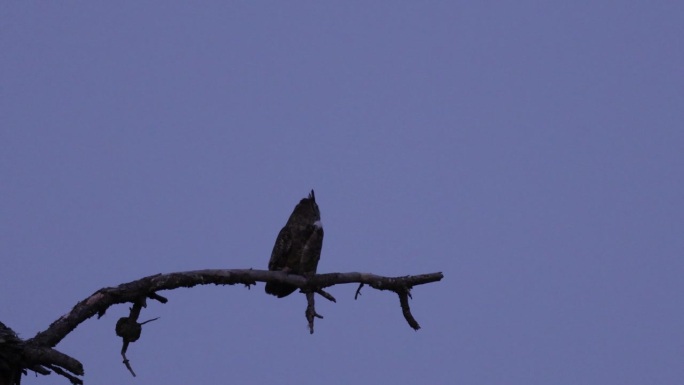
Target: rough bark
x=37 y=354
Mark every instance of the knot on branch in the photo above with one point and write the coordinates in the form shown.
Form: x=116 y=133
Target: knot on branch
x=129 y=329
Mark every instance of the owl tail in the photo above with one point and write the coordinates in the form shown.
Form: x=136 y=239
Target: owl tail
x=280 y=290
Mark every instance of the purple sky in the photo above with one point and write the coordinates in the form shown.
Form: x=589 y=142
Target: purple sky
x=531 y=151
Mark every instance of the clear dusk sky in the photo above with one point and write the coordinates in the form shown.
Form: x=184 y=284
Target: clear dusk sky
x=533 y=152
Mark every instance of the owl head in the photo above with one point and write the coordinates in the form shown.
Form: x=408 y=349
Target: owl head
x=306 y=212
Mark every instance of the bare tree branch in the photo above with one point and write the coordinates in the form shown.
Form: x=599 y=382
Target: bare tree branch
x=37 y=354
x=102 y=299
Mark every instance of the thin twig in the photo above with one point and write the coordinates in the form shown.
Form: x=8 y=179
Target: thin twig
x=406 y=310
x=326 y=295
x=358 y=291
x=73 y=379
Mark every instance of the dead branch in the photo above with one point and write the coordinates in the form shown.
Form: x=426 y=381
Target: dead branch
x=39 y=348
x=104 y=298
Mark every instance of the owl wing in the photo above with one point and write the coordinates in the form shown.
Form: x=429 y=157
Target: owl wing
x=281 y=249
x=311 y=252
x=279 y=261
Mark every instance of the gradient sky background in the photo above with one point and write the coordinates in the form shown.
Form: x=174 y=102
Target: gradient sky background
x=531 y=151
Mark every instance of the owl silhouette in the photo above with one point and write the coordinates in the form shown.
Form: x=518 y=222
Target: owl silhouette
x=298 y=246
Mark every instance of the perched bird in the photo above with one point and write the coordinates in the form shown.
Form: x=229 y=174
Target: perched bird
x=298 y=246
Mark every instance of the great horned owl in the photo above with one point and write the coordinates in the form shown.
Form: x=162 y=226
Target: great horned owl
x=298 y=246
